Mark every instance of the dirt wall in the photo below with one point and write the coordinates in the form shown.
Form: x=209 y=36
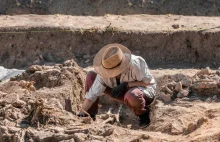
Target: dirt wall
x=183 y=47
x=102 y=7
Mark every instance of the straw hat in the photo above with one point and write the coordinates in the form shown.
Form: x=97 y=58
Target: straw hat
x=112 y=60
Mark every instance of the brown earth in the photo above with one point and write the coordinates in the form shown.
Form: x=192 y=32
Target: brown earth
x=118 y=7
x=161 y=40
x=40 y=105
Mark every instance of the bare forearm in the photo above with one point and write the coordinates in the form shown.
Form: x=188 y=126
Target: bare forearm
x=86 y=104
x=137 y=83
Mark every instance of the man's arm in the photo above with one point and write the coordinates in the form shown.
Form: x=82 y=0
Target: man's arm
x=86 y=105
x=97 y=89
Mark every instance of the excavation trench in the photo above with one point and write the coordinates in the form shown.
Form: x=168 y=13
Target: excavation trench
x=47 y=96
x=24 y=42
x=187 y=48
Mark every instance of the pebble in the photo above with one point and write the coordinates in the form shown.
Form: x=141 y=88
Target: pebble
x=175 y=26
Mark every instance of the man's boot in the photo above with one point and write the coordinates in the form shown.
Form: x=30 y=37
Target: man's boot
x=144 y=120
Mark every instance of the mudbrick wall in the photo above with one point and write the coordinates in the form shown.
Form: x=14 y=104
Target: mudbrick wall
x=183 y=47
x=102 y=7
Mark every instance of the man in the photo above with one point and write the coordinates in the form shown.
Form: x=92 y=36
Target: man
x=122 y=76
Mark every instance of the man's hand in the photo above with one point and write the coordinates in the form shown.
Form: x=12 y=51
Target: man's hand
x=119 y=90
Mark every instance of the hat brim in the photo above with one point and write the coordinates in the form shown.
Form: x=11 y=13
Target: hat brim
x=108 y=73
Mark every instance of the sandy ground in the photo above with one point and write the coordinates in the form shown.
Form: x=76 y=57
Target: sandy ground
x=138 y=23
x=40 y=104
x=190 y=118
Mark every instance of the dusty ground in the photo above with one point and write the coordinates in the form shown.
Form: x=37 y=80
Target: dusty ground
x=43 y=108
x=102 y=7
x=161 y=40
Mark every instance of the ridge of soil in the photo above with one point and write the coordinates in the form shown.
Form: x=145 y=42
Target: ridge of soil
x=161 y=40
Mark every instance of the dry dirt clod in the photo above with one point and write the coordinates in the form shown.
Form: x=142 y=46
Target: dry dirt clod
x=182 y=93
x=34 y=68
x=205 y=71
x=168 y=90
x=178 y=87
x=140 y=138
x=39 y=104
x=18 y=103
x=166 y=98
x=176 y=26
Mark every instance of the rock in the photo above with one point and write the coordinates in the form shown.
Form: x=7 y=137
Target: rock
x=187 y=82
x=178 y=87
x=175 y=26
x=205 y=71
x=32 y=88
x=183 y=93
x=3 y=129
x=34 y=68
x=27 y=85
x=193 y=126
x=53 y=72
x=205 y=85
x=3 y=102
x=108 y=132
x=166 y=98
x=18 y=103
x=80 y=137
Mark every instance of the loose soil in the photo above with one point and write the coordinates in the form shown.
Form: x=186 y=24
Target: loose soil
x=40 y=105
x=102 y=7
x=161 y=40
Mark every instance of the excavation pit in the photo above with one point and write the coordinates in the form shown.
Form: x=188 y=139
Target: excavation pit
x=28 y=44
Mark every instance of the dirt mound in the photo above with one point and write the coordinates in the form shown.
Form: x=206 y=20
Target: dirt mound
x=188 y=102
x=204 y=83
x=40 y=105
x=102 y=7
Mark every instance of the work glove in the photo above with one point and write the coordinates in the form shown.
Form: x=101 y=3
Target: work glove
x=93 y=116
x=119 y=90
x=82 y=115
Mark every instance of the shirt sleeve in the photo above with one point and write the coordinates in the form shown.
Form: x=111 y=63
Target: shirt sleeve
x=97 y=89
x=142 y=72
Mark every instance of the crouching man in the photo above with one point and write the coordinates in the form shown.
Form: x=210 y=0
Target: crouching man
x=122 y=76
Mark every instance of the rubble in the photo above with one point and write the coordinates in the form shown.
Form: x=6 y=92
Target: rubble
x=48 y=112
x=203 y=83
